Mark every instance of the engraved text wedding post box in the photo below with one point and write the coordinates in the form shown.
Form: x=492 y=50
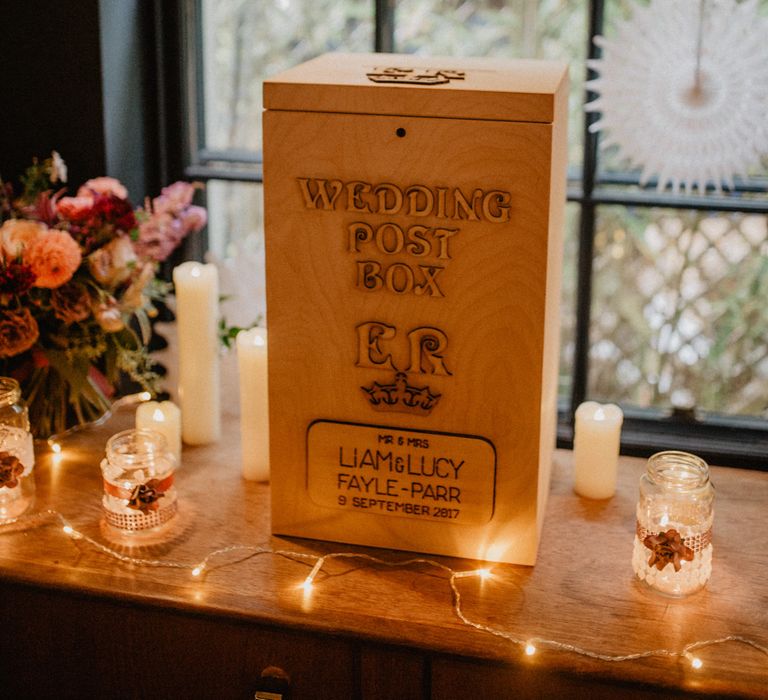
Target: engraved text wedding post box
x=414 y=214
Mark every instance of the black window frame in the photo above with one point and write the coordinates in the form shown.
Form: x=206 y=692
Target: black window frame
x=731 y=440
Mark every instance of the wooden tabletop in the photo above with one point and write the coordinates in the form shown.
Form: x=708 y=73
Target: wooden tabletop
x=581 y=591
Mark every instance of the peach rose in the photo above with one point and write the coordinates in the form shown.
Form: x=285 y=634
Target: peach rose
x=18 y=331
x=103 y=185
x=17 y=235
x=75 y=208
x=54 y=257
x=134 y=297
x=109 y=316
x=113 y=263
x=71 y=303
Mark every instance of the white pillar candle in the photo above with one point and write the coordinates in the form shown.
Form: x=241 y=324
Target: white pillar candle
x=254 y=403
x=197 y=317
x=165 y=418
x=596 y=449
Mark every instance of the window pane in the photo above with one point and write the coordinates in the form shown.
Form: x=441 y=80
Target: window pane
x=235 y=214
x=552 y=29
x=679 y=314
x=611 y=164
x=236 y=242
x=568 y=301
x=245 y=41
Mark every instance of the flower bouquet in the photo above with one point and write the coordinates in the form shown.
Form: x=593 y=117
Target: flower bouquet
x=77 y=285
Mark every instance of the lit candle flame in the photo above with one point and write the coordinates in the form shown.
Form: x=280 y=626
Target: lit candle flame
x=600 y=414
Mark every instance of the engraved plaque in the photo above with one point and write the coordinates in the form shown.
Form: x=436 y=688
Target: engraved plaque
x=413 y=265
x=406 y=473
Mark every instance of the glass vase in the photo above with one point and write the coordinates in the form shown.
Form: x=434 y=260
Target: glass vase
x=673 y=541
x=17 y=454
x=139 y=493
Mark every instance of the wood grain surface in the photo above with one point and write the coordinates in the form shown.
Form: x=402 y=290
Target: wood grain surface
x=581 y=591
x=371 y=260
x=519 y=90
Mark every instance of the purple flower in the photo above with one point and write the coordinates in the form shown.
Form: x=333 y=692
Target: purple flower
x=193 y=218
x=159 y=234
x=173 y=198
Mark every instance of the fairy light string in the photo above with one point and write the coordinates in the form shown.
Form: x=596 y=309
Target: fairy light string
x=528 y=646
x=54 y=441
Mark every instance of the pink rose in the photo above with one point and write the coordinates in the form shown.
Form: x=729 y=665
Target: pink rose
x=17 y=235
x=54 y=257
x=113 y=263
x=103 y=185
x=75 y=208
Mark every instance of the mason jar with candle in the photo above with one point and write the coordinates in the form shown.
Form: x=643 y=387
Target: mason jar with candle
x=139 y=493
x=673 y=542
x=17 y=454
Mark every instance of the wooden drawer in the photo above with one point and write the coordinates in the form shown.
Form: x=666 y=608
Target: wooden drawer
x=54 y=644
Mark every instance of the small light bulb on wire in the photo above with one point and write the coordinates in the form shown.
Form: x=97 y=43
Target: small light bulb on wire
x=530 y=649
x=307 y=585
x=71 y=532
x=198 y=570
x=55 y=446
x=480 y=573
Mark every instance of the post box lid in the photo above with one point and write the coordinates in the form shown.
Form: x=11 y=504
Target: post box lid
x=410 y=85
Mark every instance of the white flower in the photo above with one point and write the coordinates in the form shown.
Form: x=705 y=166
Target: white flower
x=58 y=168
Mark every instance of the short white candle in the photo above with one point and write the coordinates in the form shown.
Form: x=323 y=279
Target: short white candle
x=197 y=317
x=165 y=418
x=596 y=443
x=254 y=403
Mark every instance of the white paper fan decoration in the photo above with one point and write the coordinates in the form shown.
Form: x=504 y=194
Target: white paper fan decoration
x=683 y=91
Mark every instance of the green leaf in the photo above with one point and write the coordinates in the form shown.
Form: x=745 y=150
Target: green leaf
x=227 y=334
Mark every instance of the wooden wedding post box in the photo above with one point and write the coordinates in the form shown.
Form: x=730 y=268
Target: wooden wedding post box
x=414 y=213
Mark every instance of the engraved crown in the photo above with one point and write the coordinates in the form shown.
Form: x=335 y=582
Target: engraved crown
x=400 y=396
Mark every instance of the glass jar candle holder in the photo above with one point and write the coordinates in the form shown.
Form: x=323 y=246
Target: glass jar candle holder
x=17 y=453
x=673 y=543
x=139 y=493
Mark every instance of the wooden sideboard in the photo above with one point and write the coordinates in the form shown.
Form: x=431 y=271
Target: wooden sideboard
x=78 y=624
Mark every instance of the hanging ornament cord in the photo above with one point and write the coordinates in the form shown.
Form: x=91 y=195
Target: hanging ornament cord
x=528 y=645
x=682 y=91
x=699 y=46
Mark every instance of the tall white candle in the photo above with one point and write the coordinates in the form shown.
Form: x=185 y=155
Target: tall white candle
x=197 y=315
x=254 y=403
x=596 y=449
x=165 y=418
